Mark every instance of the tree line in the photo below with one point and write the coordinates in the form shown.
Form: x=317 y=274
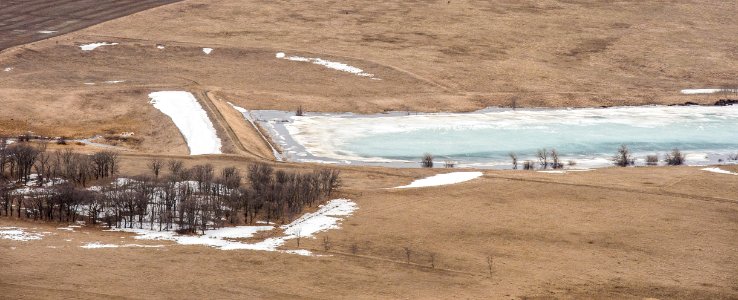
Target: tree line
x=53 y=186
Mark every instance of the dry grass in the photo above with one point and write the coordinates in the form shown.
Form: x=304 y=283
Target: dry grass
x=548 y=235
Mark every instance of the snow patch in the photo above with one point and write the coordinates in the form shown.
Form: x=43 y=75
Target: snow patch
x=93 y=46
x=46 y=31
x=207 y=50
x=704 y=91
x=97 y=245
x=325 y=218
x=19 y=234
x=719 y=171
x=160 y=47
x=190 y=118
x=114 y=81
x=326 y=63
x=442 y=179
x=8 y=69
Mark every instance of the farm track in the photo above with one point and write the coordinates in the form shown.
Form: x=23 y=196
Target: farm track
x=22 y=19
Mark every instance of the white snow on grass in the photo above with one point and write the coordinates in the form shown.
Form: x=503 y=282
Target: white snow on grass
x=190 y=118
x=442 y=179
x=160 y=47
x=719 y=171
x=93 y=46
x=114 y=81
x=705 y=91
x=326 y=63
x=8 y=69
x=207 y=50
x=564 y=171
x=19 y=234
x=97 y=245
x=46 y=31
x=326 y=217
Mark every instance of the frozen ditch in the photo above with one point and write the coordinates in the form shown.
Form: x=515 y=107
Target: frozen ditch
x=191 y=119
x=327 y=63
x=325 y=218
x=442 y=179
x=589 y=136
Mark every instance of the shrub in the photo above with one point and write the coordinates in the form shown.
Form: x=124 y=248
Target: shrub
x=572 y=163
x=623 y=158
x=652 y=160
x=427 y=161
x=675 y=158
x=529 y=165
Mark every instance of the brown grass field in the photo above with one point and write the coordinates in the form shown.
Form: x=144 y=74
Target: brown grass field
x=612 y=233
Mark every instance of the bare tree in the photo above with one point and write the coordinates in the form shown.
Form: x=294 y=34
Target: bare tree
x=623 y=158
x=155 y=166
x=514 y=158
x=555 y=162
x=427 y=161
x=529 y=165
x=542 y=155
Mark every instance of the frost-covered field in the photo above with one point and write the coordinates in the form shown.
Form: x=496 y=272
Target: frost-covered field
x=588 y=136
x=193 y=122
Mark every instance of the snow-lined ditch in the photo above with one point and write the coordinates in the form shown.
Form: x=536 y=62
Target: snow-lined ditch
x=19 y=234
x=326 y=217
x=93 y=46
x=719 y=171
x=327 y=63
x=442 y=179
x=191 y=119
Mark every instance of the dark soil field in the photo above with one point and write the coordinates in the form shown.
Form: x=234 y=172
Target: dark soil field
x=25 y=21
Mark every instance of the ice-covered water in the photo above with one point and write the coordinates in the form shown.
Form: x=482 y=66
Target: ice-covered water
x=589 y=136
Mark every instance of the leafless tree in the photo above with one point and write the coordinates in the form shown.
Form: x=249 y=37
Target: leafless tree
x=555 y=162
x=155 y=166
x=514 y=158
x=427 y=161
x=529 y=165
x=542 y=155
x=623 y=158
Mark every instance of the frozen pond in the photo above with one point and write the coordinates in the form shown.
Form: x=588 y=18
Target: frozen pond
x=590 y=136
